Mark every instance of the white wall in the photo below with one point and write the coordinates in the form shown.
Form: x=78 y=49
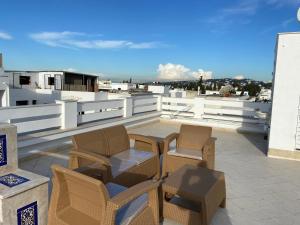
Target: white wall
x=84 y=96
x=46 y=96
x=14 y=79
x=43 y=79
x=286 y=92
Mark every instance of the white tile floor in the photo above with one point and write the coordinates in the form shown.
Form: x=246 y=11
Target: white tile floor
x=260 y=190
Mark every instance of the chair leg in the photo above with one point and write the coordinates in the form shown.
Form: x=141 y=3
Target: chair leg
x=223 y=203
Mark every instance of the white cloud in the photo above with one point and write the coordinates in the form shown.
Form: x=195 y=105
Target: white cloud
x=5 y=36
x=172 y=71
x=239 y=77
x=71 y=70
x=201 y=73
x=76 y=40
x=280 y=3
x=242 y=12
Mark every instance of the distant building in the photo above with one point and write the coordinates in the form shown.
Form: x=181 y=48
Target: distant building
x=284 y=137
x=122 y=86
x=41 y=87
x=159 y=89
x=178 y=93
x=104 y=85
x=265 y=95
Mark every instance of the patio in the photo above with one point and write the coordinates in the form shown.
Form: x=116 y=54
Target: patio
x=260 y=190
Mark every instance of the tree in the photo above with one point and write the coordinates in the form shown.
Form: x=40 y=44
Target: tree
x=215 y=86
x=253 y=89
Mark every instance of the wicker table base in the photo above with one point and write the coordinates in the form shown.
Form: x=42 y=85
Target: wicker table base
x=192 y=195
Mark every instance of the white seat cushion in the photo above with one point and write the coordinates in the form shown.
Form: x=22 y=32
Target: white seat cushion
x=187 y=153
x=129 y=211
x=124 y=160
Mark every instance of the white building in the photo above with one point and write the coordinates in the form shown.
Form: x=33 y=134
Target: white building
x=41 y=87
x=104 y=85
x=177 y=93
x=265 y=94
x=158 y=89
x=284 y=137
x=123 y=86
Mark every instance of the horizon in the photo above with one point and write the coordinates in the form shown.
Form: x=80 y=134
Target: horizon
x=155 y=40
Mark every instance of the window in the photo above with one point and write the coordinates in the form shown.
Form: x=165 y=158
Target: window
x=51 y=81
x=24 y=102
x=34 y=102
x=24 y=80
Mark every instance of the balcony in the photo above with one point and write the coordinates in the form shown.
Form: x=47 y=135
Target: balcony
x=260 y=190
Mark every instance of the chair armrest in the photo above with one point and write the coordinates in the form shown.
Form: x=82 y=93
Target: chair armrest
x=75 y=155
x=132 y=193
x=208 y=153
x=208 y=145
x=168 y=140
x=138 y=137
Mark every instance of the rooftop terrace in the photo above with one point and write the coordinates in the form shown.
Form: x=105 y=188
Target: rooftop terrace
x=260 y=190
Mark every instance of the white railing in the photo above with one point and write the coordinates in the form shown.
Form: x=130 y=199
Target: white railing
x=32 y=118
x=144 y=104
x=178 y=106
x=239 y=111
x=71 y=114
x=99 y=110
x=229 y=110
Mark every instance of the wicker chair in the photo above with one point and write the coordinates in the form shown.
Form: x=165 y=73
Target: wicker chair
x=78 y=199
x=110 y=147
x=194 y=146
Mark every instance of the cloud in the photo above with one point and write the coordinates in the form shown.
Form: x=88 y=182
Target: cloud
x=281 y=3
x=238 y=13
x=5 y=36
x=71 y=70
x=278 y=27
x=242 y=13
x=77 y=40
x=172 y=71
x=239 y=77
x=201 y=73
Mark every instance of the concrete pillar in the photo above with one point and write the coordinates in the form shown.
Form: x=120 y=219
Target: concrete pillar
x=128 y=107
x=68 y=113
x=23 y=195
x=198 y=107
x=159 y=103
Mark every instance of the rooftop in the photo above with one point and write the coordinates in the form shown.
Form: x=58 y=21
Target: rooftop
x=260 y=190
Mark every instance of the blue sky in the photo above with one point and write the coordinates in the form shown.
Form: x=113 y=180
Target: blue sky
x=133 y=37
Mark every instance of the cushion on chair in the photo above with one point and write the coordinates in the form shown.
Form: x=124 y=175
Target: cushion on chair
x=187 y=153
x=124 y=160
x=130 y=210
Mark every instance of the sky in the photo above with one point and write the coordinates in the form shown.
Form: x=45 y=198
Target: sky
x=146 y=40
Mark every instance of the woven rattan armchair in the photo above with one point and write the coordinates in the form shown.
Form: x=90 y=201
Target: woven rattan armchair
x=110 y=148
x=78 y=199
x=194 y=146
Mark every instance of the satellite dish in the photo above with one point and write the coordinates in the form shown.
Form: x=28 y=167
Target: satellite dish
x=298 y=14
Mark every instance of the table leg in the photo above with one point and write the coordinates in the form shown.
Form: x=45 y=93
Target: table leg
x=223 y=203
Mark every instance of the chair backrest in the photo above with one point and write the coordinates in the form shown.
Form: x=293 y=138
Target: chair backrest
x=117 y=139
x=76 y=198
x=93 y=141
x=193 y=137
